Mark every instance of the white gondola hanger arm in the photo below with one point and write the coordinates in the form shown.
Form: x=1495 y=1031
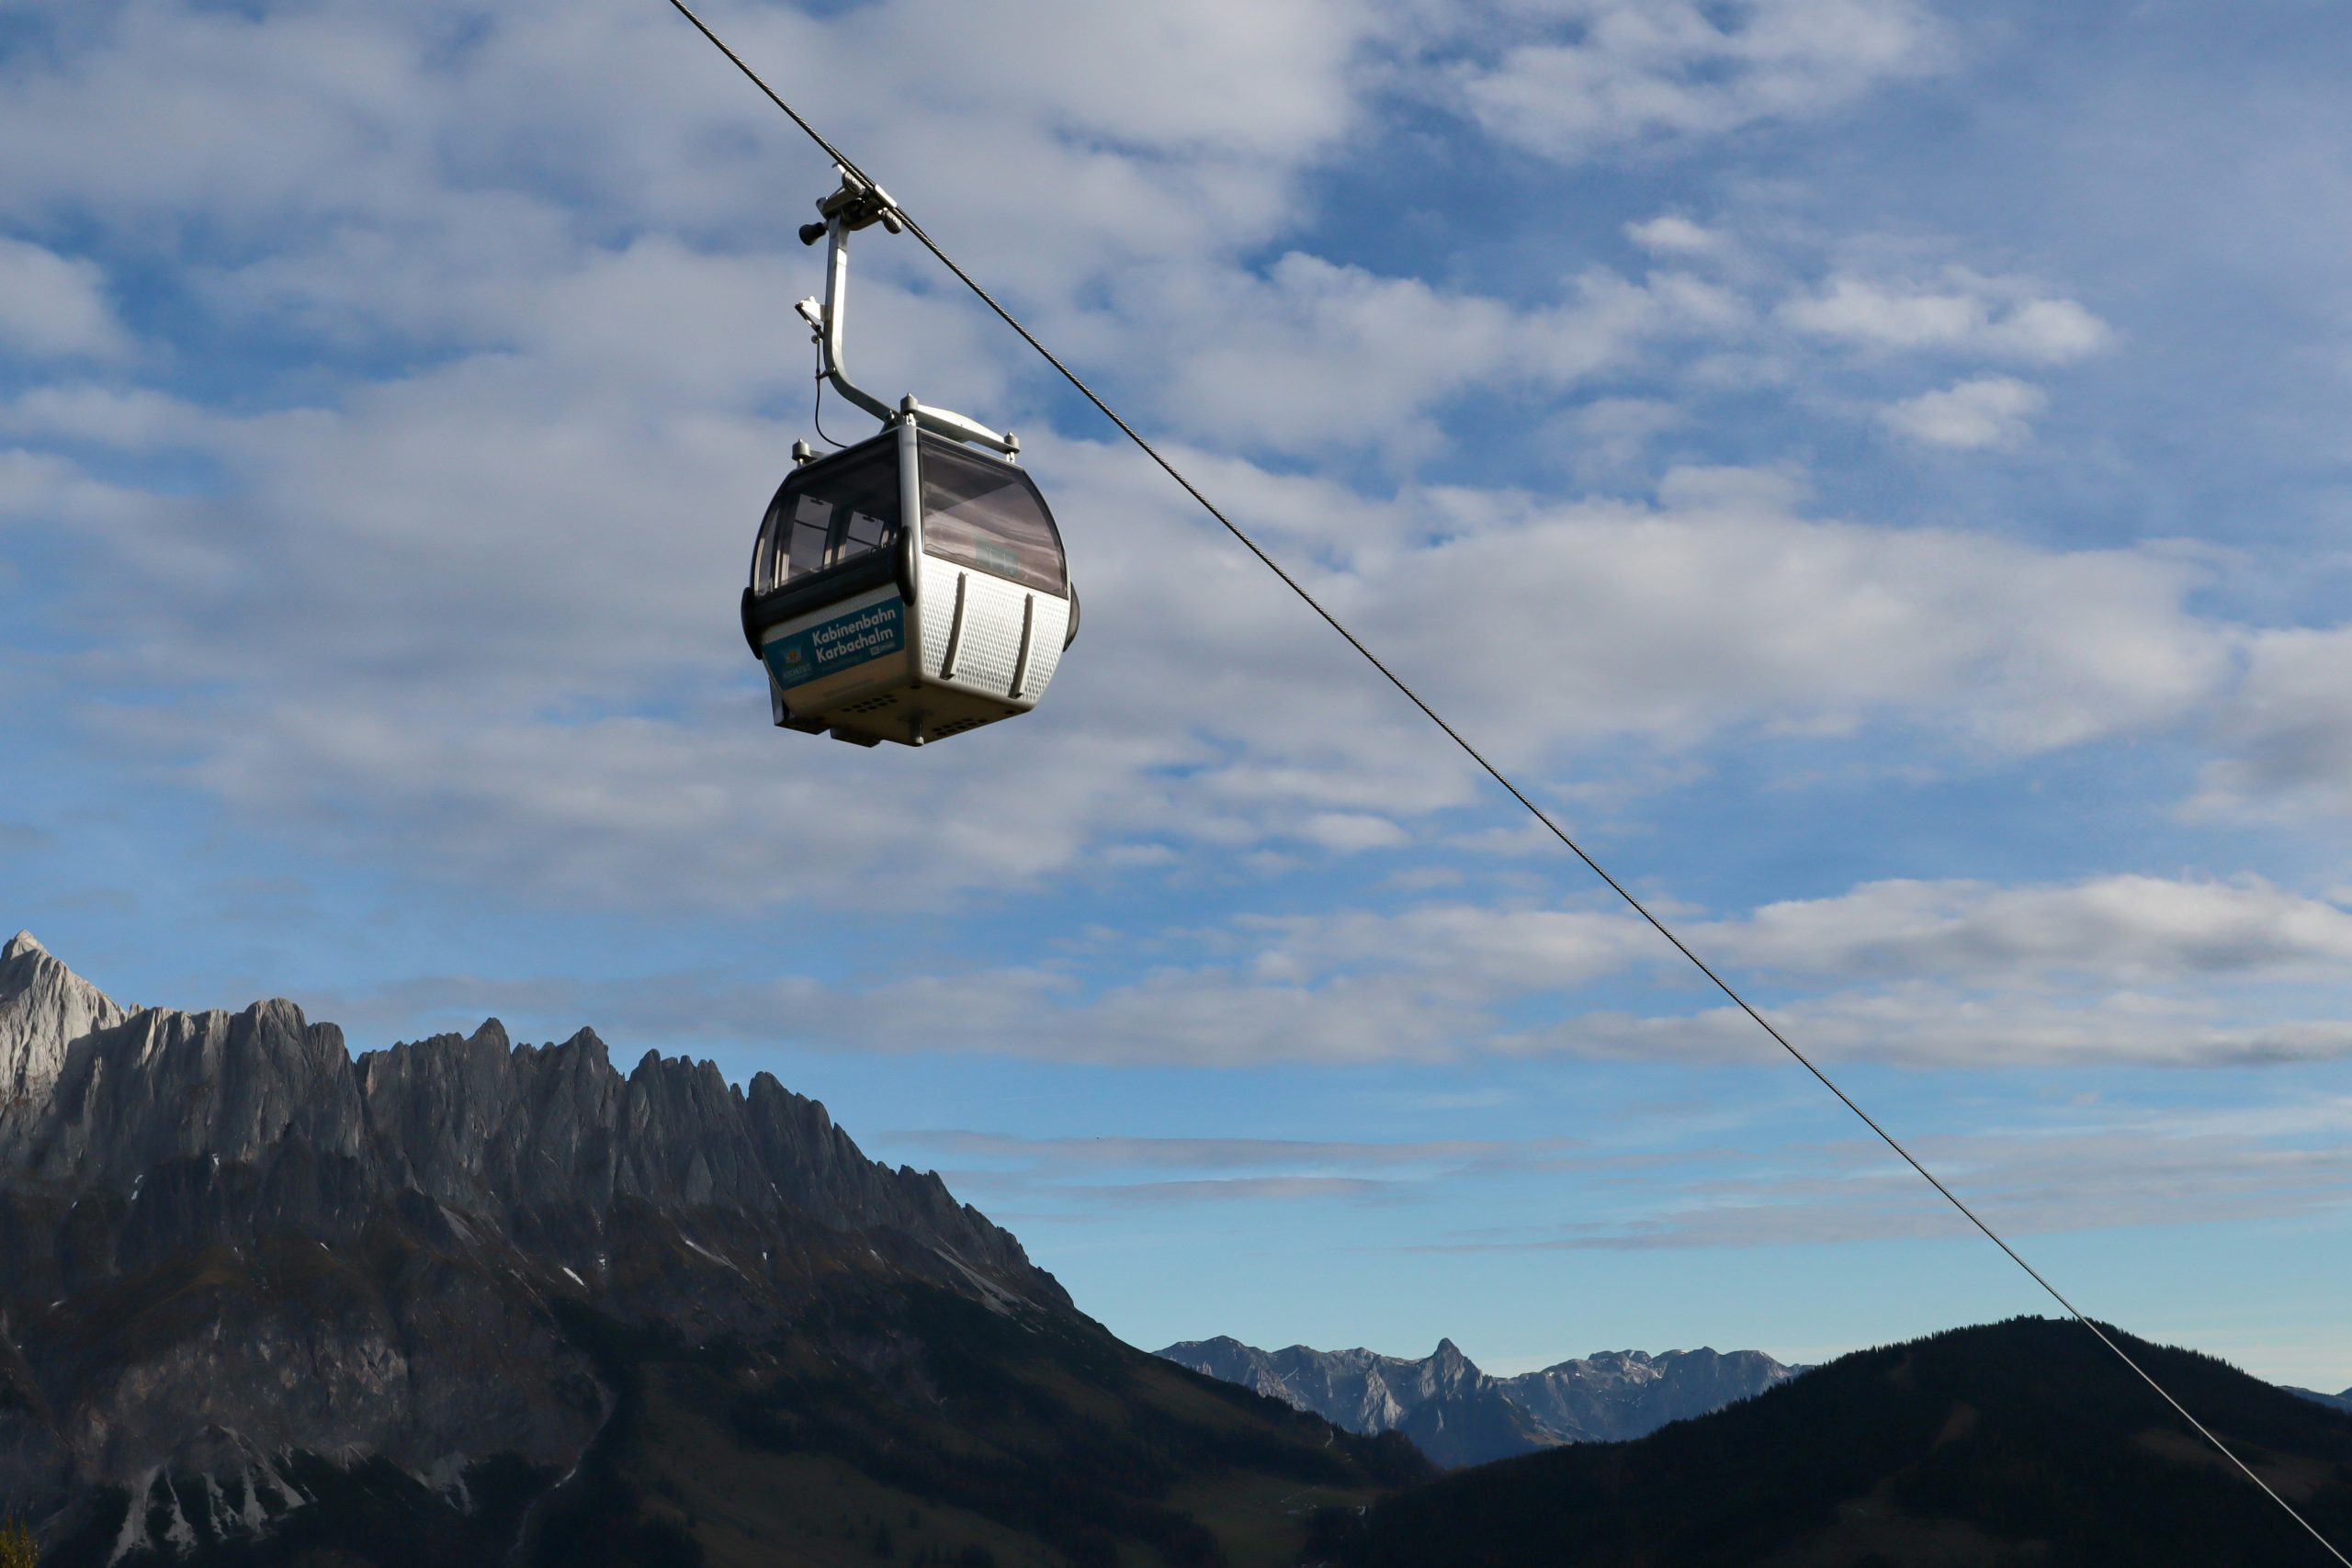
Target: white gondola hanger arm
x=858 y=205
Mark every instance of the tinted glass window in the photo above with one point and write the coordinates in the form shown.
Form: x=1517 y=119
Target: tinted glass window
x=830 y=513
x=987 y=514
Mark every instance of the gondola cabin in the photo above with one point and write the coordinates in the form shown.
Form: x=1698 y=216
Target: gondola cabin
x=906 y=589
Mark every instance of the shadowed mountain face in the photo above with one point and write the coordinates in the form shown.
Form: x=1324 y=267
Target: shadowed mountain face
x=1459 y=1416
x=2024 y=1442
x=259 y=1300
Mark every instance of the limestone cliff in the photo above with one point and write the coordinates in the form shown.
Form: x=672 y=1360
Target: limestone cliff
x=225 y=1241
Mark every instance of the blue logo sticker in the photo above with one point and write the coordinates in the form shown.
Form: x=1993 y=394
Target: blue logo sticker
x=842 y=643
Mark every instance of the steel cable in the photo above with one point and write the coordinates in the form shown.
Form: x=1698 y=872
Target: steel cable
x=1499 y=777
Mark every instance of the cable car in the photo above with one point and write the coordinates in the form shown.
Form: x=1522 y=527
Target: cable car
x=910 y=587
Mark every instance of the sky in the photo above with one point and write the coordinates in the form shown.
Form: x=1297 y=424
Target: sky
x=1878 y=472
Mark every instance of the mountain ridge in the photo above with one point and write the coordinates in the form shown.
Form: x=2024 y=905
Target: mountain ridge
x=262 y=1289
x=1460 y=1415
x=2334 y=1401
x=466 y=1119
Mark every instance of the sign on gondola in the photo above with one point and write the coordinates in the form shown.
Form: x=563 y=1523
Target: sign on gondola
x=854 y=637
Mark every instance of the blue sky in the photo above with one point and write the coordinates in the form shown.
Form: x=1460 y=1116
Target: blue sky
x=1877 y=471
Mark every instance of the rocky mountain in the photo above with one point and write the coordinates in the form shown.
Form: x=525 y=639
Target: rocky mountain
x=1453 y=1412
x=1459 y=1416
x=2013 y=1443
x=44 y=1007
x=1620 y=1394
x=463 y=1301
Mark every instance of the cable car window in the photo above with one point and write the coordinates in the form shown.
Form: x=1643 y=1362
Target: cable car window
x=830 y=514
x=812 y=519
x=864 y=532
x=987 y=514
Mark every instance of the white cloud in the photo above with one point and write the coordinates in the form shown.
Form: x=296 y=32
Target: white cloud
x=1945 y=975
x=472 y=612
x=1966 y=313
x=388 y=168
x=1952 y=975
x=1674 y=622
x=1611 y=434
x=1265 y=77
x=2048 y=331
x=1864 y=313
x=54 y=307
x=480 y=620
x=1315 y=356
x=2125 y=1169
x=1674 y=236
x=1229 y=1153
x=1086 y=1173
x=106 y=416
x=1930 y=1025
x=1350 y=832
x=2106 y=1167
x=2118 y=931
x=1614 y=74
x=316 y=142
x=1472 y=954
x=29 y=481
x=1985 y=410
x=2287 y=730
x=39 y=489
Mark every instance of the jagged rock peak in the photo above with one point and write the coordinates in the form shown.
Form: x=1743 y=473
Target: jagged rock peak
x=503 y=1129
x=508 y=1135
x=44 y=1009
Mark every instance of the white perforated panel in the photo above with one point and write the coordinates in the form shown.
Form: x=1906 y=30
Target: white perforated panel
x=989 y=644
x=992 y=640
x=938 y=591
x=1045 y=644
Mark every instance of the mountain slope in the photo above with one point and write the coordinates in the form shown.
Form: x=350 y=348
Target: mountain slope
x=1459 y=1416
x=2337 y=1401
x=2020 y=1442
x=262 y=1301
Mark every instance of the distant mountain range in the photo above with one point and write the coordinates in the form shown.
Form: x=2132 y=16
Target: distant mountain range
x=1459 y=1416
x=2024 y=1442
x=2339 y=1401
x=467 y=1303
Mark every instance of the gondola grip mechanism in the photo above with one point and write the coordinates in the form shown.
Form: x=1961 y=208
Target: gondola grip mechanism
x=858 y=205
x=941 y=422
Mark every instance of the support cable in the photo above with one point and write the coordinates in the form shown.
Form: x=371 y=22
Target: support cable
x=1496 y=773
x=817 y=413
